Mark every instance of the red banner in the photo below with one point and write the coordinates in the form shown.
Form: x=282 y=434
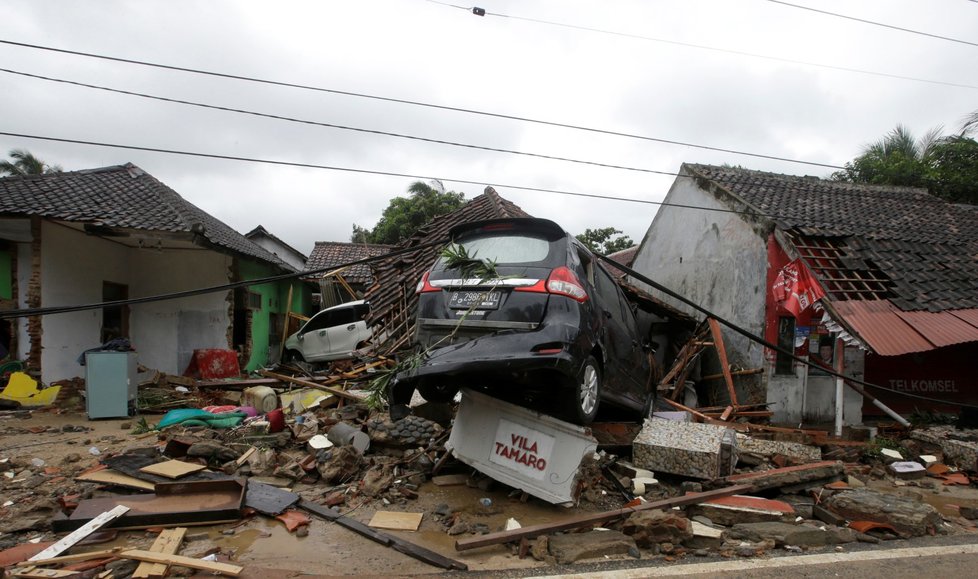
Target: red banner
x=795 y=288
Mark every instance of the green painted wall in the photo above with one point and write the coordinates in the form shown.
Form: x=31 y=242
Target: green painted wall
x=274 y=297
x=6 y=275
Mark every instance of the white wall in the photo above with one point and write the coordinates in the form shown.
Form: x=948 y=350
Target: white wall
x=713 y=258
x=74 y=265
x=167 y=332
x=290 y=257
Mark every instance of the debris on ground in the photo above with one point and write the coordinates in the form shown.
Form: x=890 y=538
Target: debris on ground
x=296 y=449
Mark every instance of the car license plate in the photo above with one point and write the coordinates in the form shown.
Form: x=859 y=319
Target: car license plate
x=480 y=300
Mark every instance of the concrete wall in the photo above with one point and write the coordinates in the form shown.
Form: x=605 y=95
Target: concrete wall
x=713 y=258
x=165 y=333
x=73 y=267
x=293 y=258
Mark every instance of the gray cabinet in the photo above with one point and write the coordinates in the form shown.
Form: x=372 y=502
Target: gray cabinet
x=110 y=384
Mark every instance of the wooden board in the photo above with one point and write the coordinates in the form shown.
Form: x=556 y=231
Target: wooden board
x=167 y=542
x=447 y=480
x=32 y=572
x=85 y=530
x=173 y=469
x=78 y=557
x=190 y=562
x=111 y=477
x=396 y=521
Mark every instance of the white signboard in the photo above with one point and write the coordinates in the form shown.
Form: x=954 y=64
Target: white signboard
x=522 y=449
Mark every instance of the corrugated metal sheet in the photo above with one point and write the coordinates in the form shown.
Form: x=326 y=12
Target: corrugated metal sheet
x=892 y=332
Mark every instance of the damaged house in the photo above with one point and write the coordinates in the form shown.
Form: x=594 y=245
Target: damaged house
x=897 y=268
x=117 y=233
x=343 y=284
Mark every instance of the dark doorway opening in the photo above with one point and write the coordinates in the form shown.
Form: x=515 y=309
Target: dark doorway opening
x=115 y=321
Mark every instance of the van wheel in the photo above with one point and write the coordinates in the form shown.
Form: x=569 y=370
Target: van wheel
x=586 y=392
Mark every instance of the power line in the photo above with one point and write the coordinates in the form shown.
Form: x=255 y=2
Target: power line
x=346 y=128
x=428 y=105
x=718 y=49
x=755 y=213
x=872 y=22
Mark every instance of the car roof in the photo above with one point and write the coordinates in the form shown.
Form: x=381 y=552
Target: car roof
x=517 y=223
x=344 y=305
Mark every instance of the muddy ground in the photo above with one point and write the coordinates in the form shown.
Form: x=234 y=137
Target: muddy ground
x=265 y=547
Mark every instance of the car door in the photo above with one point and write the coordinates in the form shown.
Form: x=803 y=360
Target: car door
x=620 y=338
x=342 y=332
x=314 y=339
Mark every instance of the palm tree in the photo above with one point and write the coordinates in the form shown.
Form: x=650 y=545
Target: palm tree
x=970 y=124
x=25 y=163
x=900 y=141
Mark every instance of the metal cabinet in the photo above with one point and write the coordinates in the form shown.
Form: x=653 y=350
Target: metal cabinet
x=110 y=384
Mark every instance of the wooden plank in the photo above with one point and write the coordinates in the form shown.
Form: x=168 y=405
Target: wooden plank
x=168 y=542
x=595 y=518
x=173 y=469
x=112 y=477
x=78 y=557
x=450 y=480
x=308 y=384
x=32 y=572
x=724 y=363
x=189 y=562
x=285 y=323
x=410 y=549
x=80 y=533
x=396 y=521
x=679 y=406
x=726 y=413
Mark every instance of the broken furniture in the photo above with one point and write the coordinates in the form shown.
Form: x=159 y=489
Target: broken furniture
x=179 y=503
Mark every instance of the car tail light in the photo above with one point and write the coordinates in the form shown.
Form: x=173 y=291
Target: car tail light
x=424 y=286
x=562 y=281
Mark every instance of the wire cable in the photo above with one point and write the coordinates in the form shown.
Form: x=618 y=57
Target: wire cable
x=871 y=22
x=755 y=212
x=50 y=310
x=430 y=105
x=758 y=339
x=723 y=50
x=341 y=127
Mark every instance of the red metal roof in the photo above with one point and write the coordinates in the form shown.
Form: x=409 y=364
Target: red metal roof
x=892 y=332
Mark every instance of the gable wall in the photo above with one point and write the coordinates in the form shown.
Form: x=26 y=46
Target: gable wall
x=713 y=258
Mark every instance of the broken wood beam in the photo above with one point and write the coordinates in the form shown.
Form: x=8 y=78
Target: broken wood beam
x=308 y=384
x=79 y=557
x=595 y=518
x=679 y=406
x=167 y=542
x=722 y=354
x=788 y=476
x=749 y=372
x=189 y=562
x=408 y=548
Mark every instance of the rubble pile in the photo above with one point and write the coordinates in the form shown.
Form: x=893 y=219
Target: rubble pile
x=317 y=450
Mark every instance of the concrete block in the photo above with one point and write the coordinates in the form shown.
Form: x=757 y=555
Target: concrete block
x=769 y=448
x=688 y=449
x=907 y=470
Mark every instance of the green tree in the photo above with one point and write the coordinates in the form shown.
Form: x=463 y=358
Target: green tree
x=24 y=163
x=405 y=215
x=947 y=166
x=604 y=241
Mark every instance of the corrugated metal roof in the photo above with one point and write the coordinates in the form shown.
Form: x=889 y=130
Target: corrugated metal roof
x=892 y=332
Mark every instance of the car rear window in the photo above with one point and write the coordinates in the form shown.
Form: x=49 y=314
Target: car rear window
x=506 y=249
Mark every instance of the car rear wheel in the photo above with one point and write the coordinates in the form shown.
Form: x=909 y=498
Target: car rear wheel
x=292 y=356
x=586 y=392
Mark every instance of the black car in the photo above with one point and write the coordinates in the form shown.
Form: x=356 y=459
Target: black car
x=552 y=331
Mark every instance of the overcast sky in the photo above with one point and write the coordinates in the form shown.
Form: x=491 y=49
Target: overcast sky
x=630 y=73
